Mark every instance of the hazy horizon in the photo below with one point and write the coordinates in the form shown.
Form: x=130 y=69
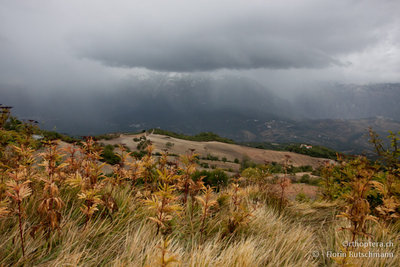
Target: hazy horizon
x=77 y=62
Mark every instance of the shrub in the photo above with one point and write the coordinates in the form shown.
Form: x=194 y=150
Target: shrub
x=138 y=154
x=143 y=144
x=316 y=181
x=306 y=168
x=247 y=163
x=106 y=136
x=212 y=178
x=52 y=135
x=204 y=165
x=305 y=179
x=276 y=167
x=211 y=157
x=109 y=156
x=169 y=145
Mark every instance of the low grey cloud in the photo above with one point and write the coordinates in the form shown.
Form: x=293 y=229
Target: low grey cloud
x=97 y=45
x=186 y=36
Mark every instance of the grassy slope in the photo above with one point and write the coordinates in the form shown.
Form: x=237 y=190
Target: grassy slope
x=130 y=239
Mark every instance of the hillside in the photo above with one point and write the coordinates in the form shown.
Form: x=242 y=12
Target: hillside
x=213 y=149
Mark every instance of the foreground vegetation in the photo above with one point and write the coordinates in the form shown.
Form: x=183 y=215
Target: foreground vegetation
x=59 y=208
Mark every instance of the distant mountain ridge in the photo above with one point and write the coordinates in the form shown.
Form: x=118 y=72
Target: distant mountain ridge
x=349 y=101
x=335 y=116
x=349 y=136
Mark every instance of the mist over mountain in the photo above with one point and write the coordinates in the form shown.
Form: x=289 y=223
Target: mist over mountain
x=335 y=115
x=188 y=103
x=351 y=101
x=194 y=103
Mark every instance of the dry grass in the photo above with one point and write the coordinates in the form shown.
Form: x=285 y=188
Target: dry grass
x=130 y=241
x=149 y=213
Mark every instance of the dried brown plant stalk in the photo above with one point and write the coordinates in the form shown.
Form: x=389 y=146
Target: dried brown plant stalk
x=357 y=210
x=17 y=190
x=51 y=204
x=207 y=201
x=186 y=182
x=163 y=205
x=164 y=260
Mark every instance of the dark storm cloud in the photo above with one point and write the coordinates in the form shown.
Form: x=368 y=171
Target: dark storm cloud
x=196 y=56
x=185 y=36
x=95 y=45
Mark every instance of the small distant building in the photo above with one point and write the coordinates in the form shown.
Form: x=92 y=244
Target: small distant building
x=305 y=146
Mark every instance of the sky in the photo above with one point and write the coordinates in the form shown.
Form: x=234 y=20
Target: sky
x=87 y=45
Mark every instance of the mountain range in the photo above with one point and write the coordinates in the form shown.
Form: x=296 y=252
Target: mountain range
x=333 y=115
